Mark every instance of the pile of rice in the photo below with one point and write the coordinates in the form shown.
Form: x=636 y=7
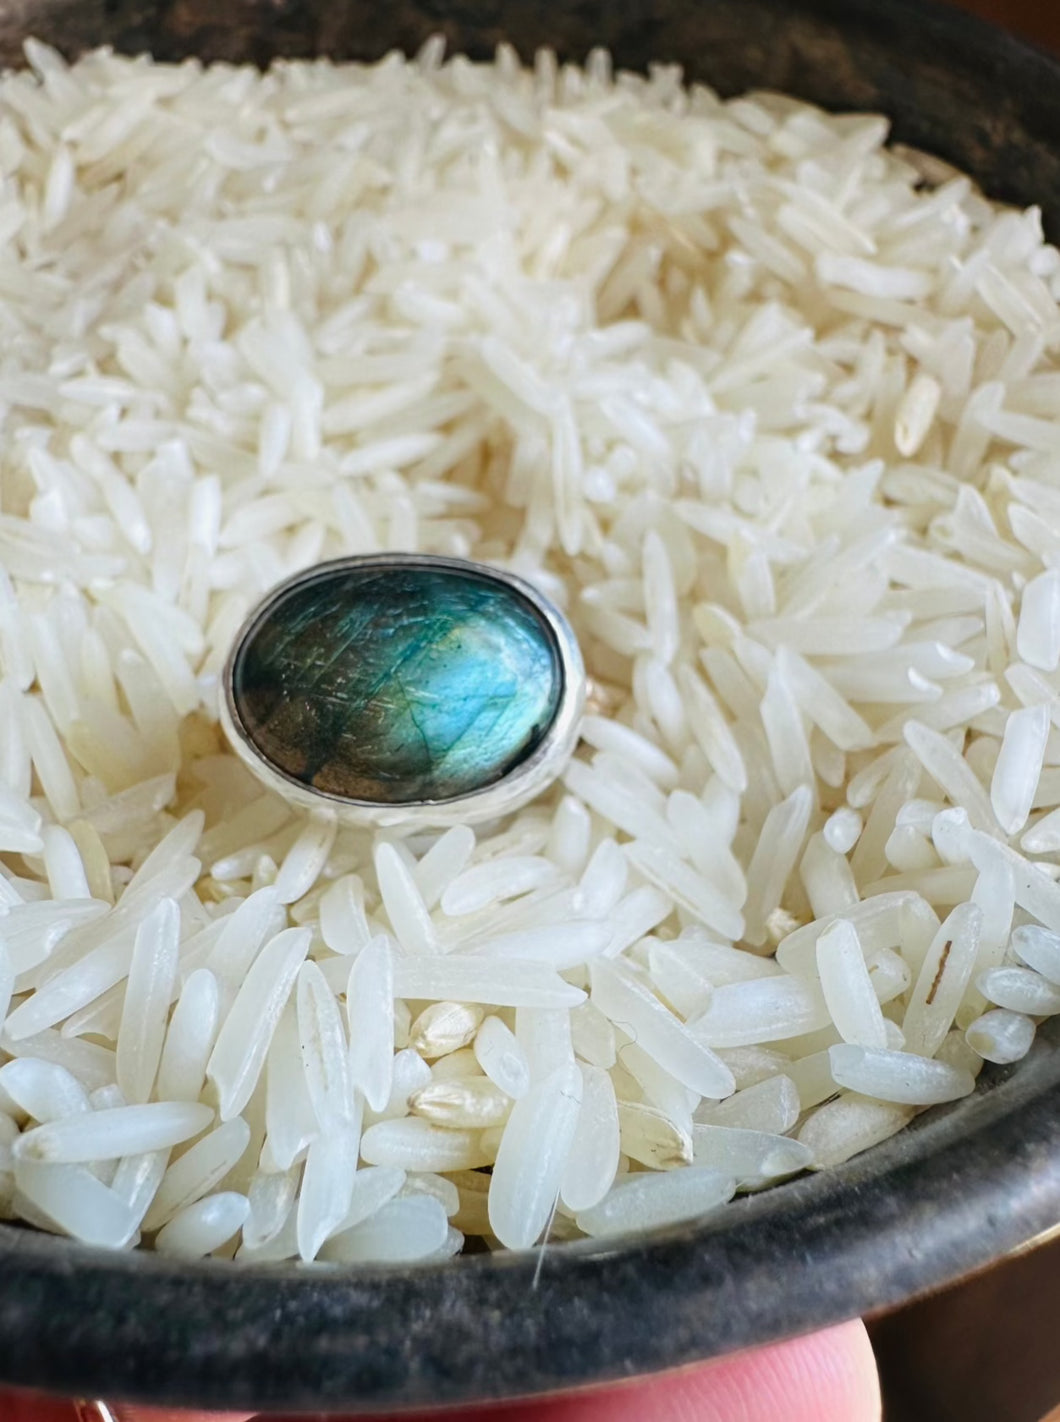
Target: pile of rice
x=769 y=409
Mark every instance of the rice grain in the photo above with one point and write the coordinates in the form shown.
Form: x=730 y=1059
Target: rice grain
x=784 y=461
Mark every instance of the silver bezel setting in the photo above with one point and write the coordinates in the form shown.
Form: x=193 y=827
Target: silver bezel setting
x=543 y=766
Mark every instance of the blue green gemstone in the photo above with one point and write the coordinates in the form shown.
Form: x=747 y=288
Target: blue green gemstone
x=398 y=684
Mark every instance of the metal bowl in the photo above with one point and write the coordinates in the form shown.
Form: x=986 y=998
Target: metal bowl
x=963 y=1186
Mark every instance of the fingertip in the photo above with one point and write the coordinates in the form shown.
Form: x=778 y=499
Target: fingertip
x=816 y=1378
x=34 y=1407
x=824 y=1377
x=126 y=1413
x=829 y=1376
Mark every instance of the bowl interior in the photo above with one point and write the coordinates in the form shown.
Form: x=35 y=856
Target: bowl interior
x=958 y=1189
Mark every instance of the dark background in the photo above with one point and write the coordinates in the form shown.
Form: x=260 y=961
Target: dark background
x=1039 y=20
x=988 y=1351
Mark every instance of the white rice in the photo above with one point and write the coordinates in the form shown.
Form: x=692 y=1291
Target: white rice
x=592 y=1164
x=369 y=1007
x=204 y=1227
x=768 y=1102
x=1001 y=1036
x=396 y=1232
x=772 y=419
x=849 y=991
x=752 y=1156
x=898 y=1075
x=327 y=1184
x=107 y=1133
x=651 y=1135
x=197 y=1171
x=148 y=996
x=647 y=1200
x=501 y=1058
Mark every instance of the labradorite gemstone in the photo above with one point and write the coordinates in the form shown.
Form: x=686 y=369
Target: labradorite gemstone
x=399 y=683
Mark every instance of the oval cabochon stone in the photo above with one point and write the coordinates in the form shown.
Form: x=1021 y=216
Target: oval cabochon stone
x=398 y=684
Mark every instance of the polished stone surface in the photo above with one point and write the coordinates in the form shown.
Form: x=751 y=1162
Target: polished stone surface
x=400 y=684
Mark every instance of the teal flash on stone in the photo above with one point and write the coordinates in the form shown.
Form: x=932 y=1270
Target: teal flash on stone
x=397 y=684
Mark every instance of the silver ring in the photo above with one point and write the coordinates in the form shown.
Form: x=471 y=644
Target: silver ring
x=403 y=689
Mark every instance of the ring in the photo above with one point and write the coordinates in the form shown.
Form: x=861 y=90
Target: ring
x=405 y=689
